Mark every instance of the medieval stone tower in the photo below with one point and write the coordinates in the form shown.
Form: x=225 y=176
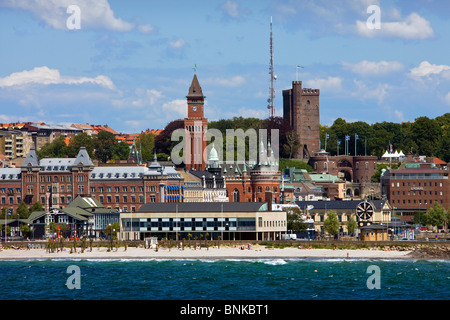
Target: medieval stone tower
x=301 y=110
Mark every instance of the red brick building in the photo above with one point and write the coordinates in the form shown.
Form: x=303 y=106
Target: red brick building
x=415 y=187
x=352 y=168
x=55 y=182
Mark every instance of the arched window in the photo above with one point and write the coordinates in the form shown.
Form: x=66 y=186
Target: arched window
x=236 y=195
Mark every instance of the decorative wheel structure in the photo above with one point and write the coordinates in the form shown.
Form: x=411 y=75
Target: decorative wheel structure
x=364 y=211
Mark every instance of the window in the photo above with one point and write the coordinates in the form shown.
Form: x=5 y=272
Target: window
x=235 y=195
x=62 y=188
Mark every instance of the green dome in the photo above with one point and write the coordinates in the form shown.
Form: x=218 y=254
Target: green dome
x=213 y=155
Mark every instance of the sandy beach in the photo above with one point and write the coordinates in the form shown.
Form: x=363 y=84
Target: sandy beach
x=255 y=252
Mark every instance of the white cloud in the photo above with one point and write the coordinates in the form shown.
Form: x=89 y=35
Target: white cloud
x=447 y=98
x=363 y=92
x=232 y=10
x=177 y=44
x=328 y=84
x=46 y=76
x=175 y=108
x=93 y=14
x=412 y=27
x=399 y=115
x=146 y=29
x=426 y=69
x=374 y=68
x=142 y=98
x=225 y=82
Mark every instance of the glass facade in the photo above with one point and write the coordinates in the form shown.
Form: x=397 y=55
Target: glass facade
x=190 y=224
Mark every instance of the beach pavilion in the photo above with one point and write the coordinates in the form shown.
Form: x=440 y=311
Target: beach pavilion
x=226 y=220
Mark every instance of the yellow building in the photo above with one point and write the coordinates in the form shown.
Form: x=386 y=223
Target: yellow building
x=374 y=232
x=14 y=144
x=363 y=212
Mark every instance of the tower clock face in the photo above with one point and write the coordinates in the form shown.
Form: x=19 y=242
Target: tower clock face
x=194 y=108
x=364 y=210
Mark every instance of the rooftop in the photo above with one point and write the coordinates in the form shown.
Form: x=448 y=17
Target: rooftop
x=204 y=207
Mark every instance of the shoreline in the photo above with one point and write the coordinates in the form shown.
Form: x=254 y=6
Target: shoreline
x=202 y=254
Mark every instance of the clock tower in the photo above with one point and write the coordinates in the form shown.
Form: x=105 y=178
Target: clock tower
x=195 y=126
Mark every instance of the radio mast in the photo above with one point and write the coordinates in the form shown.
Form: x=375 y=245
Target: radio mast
x=272 y=91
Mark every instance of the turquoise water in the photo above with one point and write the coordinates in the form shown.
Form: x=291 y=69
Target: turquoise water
x=264 y=279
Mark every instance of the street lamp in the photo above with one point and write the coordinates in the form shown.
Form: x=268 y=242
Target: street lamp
x=420 y=225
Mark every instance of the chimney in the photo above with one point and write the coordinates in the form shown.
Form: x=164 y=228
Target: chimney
x=268 y=199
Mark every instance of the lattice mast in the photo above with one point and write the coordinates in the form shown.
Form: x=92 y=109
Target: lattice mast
x=271 y=106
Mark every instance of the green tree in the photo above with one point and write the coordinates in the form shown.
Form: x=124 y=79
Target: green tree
x=351 y=225
x=104 y=144
x=298 y=164
x=111 y=230
x=331 y=223
x=78 y=141
x=377 y=175
x=163 y=140
x=427 y=134
x=435 y=216
x=146 y=143
x=37 y=206
x=22 y=211
x=56 y=149
x=121 y=151
x=295 y=221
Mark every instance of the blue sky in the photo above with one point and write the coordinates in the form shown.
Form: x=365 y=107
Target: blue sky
x=131 y=62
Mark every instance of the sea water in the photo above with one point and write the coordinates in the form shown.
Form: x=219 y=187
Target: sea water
x=228 y=279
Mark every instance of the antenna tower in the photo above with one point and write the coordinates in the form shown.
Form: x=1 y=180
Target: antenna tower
x=272 y=91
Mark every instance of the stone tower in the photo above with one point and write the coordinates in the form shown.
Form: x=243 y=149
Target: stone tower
x=195 y=127
x=301 y=110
